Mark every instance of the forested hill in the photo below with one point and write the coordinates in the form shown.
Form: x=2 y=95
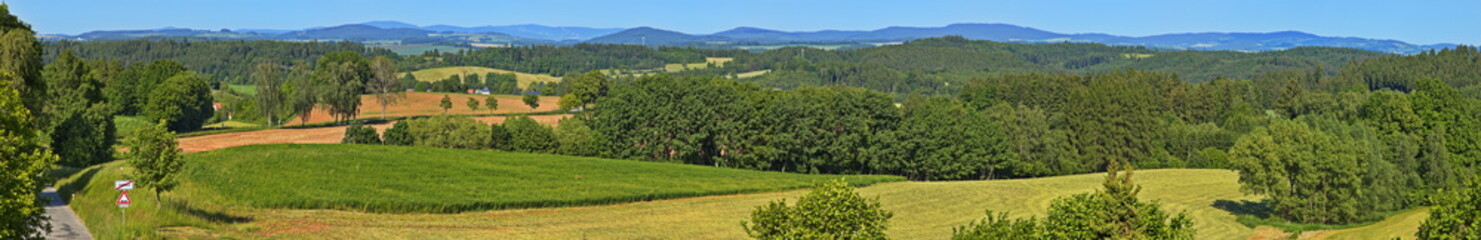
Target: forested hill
x=942 y=65
x=225 y=60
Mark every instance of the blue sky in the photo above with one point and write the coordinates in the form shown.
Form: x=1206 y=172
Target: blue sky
x=1424 y=22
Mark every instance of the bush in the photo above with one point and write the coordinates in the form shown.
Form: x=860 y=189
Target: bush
x=1455 y=216
x=361 y=134
x=449 y=132
x=526 y=135
x=831 y=211
x=182 y=101
x=86 y=137
x=499 y=137
x=1112 y=213
x=573 y=137
x=398 y=135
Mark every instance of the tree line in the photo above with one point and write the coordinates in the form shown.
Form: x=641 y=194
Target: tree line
x=228 y=61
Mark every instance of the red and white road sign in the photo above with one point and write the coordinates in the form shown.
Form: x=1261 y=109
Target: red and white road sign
x=123 y=185
x=123 y=200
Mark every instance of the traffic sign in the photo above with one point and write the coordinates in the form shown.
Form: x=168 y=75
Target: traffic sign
x=123 y=185
x=123 y=200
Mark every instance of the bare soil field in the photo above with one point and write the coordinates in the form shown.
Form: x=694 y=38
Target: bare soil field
x=306 y=135
x=424 y=104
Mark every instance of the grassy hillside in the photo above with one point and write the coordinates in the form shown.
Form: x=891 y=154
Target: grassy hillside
x=923 y=210
x=437 y=74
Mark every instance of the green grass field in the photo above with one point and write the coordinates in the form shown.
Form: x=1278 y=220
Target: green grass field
x=128 y=124
x=377 y=178
x=243 y=89
x=253 y=192
x=437 y=74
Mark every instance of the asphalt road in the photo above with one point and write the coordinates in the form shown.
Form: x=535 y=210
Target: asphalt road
x=64 y=222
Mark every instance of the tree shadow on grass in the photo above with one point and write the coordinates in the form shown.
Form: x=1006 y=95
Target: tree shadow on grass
x=1260 y=210
x=208 y=215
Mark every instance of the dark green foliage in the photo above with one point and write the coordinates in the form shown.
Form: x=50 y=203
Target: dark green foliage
x=1456 y=215
x=182 y=102
x=941 y=65
x=559 y=61
x=526 y=135
x=472 y=104
x=22 y=163
x=499 y=137
x=532 y=101
x=939 y=139
x=1455 y=67
x=1118 y=117
x=1112 y=213
x=574 y=137
x=85 y=138
x=82 y=131
x=1314 y=172
x=588 y=87
x=22 y=64
x=341 y=78
x=999 y=226
x=448 y=132
x=231 y=61
x=361 y=134
x=399 y=134
x=155 y=155
x=130 y=91
x=270 y=99
x=831 y=211
x=1040 y=150
x=446 y=103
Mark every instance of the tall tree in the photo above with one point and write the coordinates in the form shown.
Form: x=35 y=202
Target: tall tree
x=445 y=104
x=304 y=92
x=270 y=100
x=383 y=83
x=155 y=155
x=23 y=164
x=342 y=76
x=532 y=100
x=1456 y=215
x=82 y=130
x=20 y=59
x=183 y=102
x=1311 y=176
x=490 y=103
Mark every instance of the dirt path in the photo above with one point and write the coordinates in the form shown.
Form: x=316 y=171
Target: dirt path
x=64 y=222
x=303 y=135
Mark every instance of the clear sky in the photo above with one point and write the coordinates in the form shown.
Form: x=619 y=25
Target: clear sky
x=1414 y=21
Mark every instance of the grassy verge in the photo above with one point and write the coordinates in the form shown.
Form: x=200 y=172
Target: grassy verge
x=373 y=178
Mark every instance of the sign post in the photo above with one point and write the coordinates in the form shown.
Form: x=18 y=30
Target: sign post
x=123 y=186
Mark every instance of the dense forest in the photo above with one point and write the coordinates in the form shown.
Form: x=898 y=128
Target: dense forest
x=943 y=65
x=229 y=61
x=561 y=61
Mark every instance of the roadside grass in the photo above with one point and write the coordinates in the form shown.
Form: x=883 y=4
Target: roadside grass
x=440 y=73
x=90 y=194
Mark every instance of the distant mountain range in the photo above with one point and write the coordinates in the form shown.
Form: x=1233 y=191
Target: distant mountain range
x=384 y=32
